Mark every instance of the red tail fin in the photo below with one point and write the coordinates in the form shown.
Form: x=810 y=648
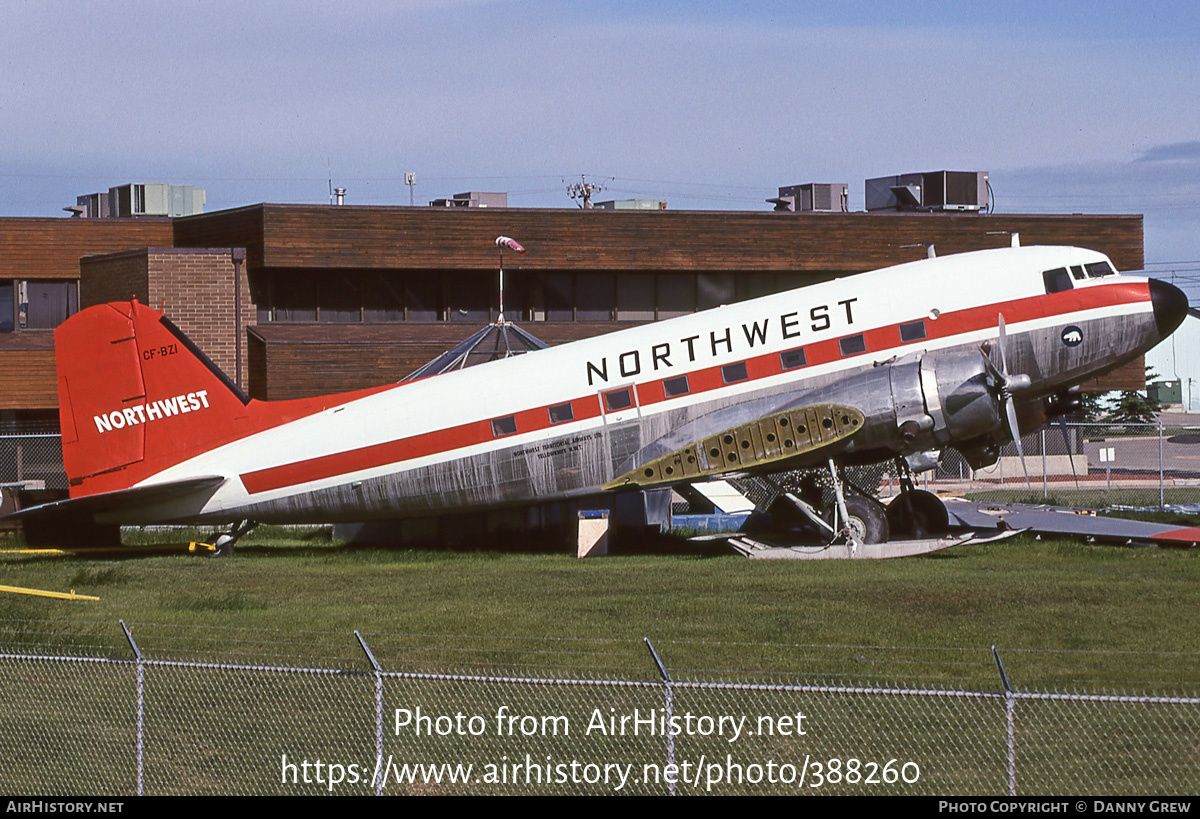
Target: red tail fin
x=136 y=396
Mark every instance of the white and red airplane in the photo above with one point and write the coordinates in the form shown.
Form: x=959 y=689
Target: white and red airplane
x=883 y=365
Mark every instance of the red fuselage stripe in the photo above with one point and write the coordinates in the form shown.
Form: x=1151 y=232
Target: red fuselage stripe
x=707 y=379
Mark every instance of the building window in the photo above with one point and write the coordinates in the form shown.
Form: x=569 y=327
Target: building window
x=913 y=331
x=618 y=400
x=635 y=297
x=422 y=298
x=34 y=305
x=853 y=345
x=713 y=290
x=676 y=386
x=469 y=297
x=6 y=307
x=341 y=299
x=791 y=359
x=733 y=373
x=595 y=296
x=676 y=294
x=504 y=426
x=562 y=413
x=383 y=298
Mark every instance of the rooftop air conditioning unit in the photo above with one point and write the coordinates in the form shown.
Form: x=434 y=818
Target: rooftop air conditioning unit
x=819 y=197
x=932 y=191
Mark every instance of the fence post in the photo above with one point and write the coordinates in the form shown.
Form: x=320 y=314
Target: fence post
x=670 y=707
x=1045 y=489
x=141 y=709
x=1010 y=719
x=379 y=775
x=1161 y=494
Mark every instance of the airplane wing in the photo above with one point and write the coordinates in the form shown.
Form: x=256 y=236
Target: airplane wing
x=120 y=503
x=766 y=442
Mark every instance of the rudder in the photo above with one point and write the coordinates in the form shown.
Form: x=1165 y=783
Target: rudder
x=135 y=397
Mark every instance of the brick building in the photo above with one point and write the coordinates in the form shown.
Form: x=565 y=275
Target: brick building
x=296 y=300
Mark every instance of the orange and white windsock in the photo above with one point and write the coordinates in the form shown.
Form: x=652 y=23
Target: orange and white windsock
x=510 y=243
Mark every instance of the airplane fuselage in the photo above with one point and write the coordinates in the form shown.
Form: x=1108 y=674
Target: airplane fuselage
x=900 y=344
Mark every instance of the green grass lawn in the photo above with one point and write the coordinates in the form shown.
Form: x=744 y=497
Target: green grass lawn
x=1062 y=613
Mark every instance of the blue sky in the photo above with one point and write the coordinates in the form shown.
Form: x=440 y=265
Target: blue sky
x=1081 y=107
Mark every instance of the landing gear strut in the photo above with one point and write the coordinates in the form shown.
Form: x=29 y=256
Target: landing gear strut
x=855 y=519
x=916 y=513
x=224 y=545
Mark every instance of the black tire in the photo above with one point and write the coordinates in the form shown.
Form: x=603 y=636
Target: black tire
x=922 y=515
x=867 y=518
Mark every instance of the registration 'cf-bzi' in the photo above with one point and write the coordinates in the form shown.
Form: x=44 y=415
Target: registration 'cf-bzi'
x=960 y=351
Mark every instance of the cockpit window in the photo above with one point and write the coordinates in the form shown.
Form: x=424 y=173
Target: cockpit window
x=1098 y=269
x=1057 y=280
x=1077 y=271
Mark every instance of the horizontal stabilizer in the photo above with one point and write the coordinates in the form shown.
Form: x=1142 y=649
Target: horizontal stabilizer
x=765 y=442
x=125 y=501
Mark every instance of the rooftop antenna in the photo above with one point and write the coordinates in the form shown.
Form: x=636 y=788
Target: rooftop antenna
x=329 y=165
x=513 y=245
x=583 y=190
x=410 y=179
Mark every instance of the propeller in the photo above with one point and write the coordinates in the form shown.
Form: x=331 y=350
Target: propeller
x=1009 y=384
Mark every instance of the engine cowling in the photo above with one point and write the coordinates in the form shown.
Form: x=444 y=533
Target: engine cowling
x=946 y=400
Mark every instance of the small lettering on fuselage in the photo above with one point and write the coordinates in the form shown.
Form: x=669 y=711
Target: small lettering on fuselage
x=152 y=411
x=669 y=354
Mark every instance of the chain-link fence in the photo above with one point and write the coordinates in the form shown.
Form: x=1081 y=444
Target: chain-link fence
x=32 y=461
x=1085 y=465
x=1091 y=466
x=127 y=725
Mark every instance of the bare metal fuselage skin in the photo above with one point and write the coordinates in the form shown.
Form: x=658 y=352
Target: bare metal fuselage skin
x=901 y=345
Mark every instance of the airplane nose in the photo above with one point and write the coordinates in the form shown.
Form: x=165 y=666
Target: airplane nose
x=1170 y=306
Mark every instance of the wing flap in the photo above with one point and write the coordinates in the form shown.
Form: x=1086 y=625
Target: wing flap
x=764 y=442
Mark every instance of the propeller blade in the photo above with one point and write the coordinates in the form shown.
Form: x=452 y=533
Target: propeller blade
x=1010 y=409
x=1003 y=345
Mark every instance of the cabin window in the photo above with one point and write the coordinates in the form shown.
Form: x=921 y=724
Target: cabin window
x=561 y=413
x=853 y=345
x=1098 y=269
x=791 y=359
x=733 y=373
x=504 y=426
x=913 y=331
x=676 y=386
x=1057 y=280
x=618 y=400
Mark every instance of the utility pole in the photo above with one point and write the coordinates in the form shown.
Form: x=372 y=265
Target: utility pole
x=583 y=190
x=410 y=179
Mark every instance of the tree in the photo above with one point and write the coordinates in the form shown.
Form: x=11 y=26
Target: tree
x=1132 y=407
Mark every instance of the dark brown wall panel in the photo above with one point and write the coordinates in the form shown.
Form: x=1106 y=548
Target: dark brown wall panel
x=28 y=380
x=240 y=227
x=51 y=248
x=323 y=237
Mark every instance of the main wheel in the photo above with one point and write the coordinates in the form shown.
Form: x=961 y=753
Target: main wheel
x=867 y=519
x=918 y=514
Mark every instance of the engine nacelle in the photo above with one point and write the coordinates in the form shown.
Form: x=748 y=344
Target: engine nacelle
x=960 y=397
x=946 y=399
x=922 y=402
